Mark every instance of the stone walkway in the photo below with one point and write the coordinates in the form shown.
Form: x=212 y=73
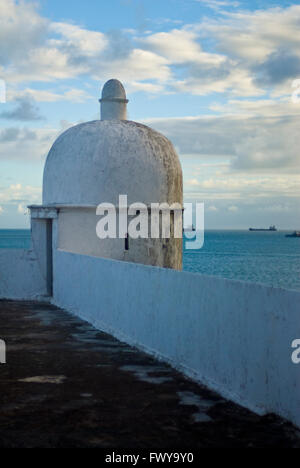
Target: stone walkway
x=65 y=384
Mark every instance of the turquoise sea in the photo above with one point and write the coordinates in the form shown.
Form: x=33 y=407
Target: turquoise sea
x=15 y=238
x=259 y=257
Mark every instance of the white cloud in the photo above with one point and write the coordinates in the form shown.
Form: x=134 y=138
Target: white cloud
x=233 y=208
x=219 y=4
x=21 y=28
x=62 y=51
x=89 y=43
x=151 y=88
x=254 y=51
x=139 y=64
x=259 y=108
x=72 y=95
x=236 y=81
x=254 y=35
x=22 y=209
x=192 y=182
x=181 y=46
x=259 y=143
x=262 y=47
x=26 y=144
x=20 y=195
x=1 y=210
x=241 y=186
x=25 y=110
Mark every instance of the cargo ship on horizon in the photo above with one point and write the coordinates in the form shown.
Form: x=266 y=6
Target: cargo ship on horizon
x=271 y=228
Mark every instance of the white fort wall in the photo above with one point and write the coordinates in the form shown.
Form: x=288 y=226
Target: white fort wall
x=21 y=275
x=27 y=273
x=235 y=337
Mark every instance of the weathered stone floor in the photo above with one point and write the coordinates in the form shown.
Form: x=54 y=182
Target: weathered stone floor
x=65 y=384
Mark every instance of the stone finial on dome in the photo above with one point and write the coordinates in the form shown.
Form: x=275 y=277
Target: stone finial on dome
x=113 y=101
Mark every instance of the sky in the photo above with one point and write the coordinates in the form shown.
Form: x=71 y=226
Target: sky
x=217 y=77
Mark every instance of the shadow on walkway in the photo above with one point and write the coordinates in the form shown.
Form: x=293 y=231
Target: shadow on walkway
x=66 y=384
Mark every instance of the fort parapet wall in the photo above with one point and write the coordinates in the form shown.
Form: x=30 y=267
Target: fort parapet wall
x=232 y=336
x=22 y=275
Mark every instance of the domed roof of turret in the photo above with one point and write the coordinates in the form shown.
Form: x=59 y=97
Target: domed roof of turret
x=97 y=161
x=113 y=89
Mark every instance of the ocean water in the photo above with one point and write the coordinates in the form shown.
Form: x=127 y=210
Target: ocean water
x=15 y=239
x=258 y=257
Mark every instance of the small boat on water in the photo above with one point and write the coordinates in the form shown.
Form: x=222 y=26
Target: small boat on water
x=271 y=228
x=294 y=234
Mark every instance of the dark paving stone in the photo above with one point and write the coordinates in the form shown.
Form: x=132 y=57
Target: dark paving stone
x=67 y=384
